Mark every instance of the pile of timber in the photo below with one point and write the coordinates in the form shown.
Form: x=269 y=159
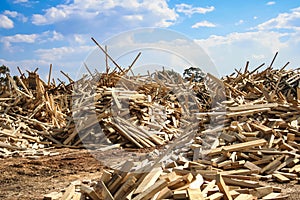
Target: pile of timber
x=181 y=179
x=30 y=110
x=258 y=141
x=135 y=111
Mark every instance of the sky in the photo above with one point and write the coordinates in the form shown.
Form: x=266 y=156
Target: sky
x=231 y=32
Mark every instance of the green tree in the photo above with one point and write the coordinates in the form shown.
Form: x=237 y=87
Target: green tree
x=3 y=71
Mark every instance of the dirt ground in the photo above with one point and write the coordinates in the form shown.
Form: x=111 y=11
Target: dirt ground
x=31 y=178
x=28 y=178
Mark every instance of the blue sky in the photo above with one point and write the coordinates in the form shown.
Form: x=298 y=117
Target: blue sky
x=36 y=33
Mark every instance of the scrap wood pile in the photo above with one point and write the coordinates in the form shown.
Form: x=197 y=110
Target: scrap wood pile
x=30 y=110
x=135 y=111
x=258 y=140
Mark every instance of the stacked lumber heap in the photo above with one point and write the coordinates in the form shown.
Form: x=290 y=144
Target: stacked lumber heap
x=257 y=139
x=30 y=111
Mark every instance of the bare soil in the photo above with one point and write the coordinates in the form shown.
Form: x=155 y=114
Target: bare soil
x=28 y=178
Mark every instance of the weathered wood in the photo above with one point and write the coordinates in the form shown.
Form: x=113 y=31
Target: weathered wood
x=223 y=187
x=238 y=147
x=159 y=185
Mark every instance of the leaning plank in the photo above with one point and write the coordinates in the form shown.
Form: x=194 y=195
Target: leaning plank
x=69 y=192
x=105 y=192
x=159 y=185
x=223 y=187
x=149 y=180
x=90 y=192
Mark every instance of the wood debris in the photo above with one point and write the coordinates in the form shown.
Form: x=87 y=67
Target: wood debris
x=256 y=126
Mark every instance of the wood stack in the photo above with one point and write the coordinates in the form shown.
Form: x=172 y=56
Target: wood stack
x=180 y=180
x=29 y=110
x=136 y=111
x=257 y=141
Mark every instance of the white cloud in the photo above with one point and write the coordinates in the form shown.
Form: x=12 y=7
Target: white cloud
x=270 y=40
x=65 y=54
x=18 y=38
x=52 y=15
x=233 y=50
x=26 y=38
x=151 y=13
x=80 y=39
x=204 y=24
x=134 y=17
x=29 y=38
x=69 y=59
x=190 y=10
x=15 y=14
x=239 y=22
x=20 y=1
x=270 y=3
x=5 y=22
x=283 y=21
x=10 y=13
x=255 y=17
x=54 y=36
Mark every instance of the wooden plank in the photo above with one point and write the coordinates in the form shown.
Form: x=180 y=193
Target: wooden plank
x=261 y=191
x=53 y=196
x=216 y=196
x=245 y=197
x=159 y=185
x=69 y=192
x=275 y=196
x=125 y=188
x=195 y=194
x=149 y=180
x=241 y=183
x=252 y=166
x=252 y=107
x=181 y=194
x=90 y=192
x=238 y=146
x=261 y=127
x=272 y=166
x=209 y=186
x=105 y=192
x=281 y=178
x=223 y=187
x=247 y=112
x=77 y=196
x=165 y=193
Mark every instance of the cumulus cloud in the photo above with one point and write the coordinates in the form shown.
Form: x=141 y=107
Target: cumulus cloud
x=203 y=24
x=282 y=21
x=20 y=1
x=190 y=10
x=64 y=53
x=150 y=13
x=270 y=3
x=5 y=22
x=254 y=46
x=15 y=14
x=29 y=38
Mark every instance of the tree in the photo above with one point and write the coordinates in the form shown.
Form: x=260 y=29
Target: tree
x=194 y=73
x=3 y=71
